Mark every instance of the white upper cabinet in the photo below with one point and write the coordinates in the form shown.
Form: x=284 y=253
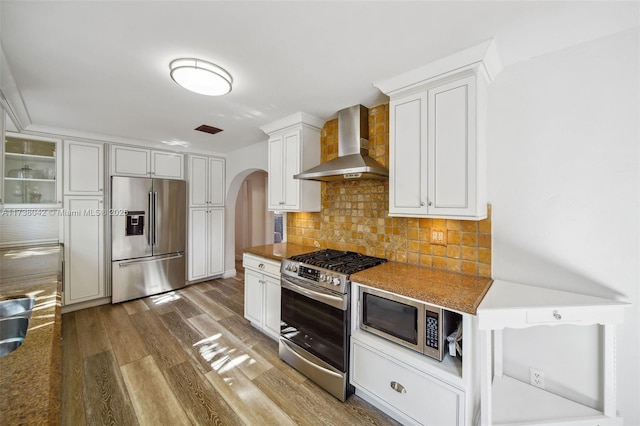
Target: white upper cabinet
x=32 y=171
x=294 y=146
x=437 y=146
x=206 y=181
x=216 y=181
x=167 y=165
x=83 y=168
x=131 y=161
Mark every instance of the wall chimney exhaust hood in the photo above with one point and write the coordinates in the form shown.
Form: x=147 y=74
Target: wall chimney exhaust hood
x=353 y=161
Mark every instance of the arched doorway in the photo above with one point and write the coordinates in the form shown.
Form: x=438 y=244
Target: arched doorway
x=248 y=222
x=253 y=222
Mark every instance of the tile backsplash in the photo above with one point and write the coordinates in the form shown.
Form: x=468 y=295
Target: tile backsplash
x=355 y=217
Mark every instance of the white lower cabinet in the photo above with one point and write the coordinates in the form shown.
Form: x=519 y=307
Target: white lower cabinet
x=83 y=249
x=414 y=396
x=206 y=243
x=262 y=293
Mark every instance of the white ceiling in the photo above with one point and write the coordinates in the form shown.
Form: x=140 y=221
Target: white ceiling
x=101 y=69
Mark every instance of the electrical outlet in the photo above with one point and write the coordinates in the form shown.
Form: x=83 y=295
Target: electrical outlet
x=439 y=236
x=536 y=378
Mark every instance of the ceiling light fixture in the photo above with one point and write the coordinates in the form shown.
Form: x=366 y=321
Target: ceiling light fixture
x=201 y=76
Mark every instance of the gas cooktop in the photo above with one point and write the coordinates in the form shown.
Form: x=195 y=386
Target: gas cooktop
x=345 y=262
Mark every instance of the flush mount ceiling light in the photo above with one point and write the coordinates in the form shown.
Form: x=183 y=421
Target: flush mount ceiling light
x=201 y=76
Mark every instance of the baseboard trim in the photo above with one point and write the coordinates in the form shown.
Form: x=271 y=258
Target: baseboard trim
x=84 y=305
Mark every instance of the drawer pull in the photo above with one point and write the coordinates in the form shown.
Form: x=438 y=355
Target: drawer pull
x=261 y=266
x=397 y=387
x=557 y=316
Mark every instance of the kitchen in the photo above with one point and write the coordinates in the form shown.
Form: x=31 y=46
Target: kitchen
x=546 y=161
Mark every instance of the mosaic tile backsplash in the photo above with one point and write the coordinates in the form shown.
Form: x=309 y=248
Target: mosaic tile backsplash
x=355 y=217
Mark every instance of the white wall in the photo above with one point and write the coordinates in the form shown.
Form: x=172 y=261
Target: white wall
x=564 y=183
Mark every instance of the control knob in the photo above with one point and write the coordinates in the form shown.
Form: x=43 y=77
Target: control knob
x=336 y=281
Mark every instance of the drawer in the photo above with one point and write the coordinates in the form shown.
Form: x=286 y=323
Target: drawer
x=559 y=316
x=261 y=264
x=426 y=400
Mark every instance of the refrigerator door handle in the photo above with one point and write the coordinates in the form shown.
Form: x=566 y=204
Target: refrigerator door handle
x=154 y=259
x=151 y=224
x=155 y=222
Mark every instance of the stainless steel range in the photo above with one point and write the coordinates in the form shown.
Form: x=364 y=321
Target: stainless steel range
x=315 y=315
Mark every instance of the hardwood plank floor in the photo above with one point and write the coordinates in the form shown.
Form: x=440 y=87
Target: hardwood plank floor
x=72 y=365
x=189 y=357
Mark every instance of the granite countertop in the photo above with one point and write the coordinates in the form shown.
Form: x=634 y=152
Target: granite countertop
x=280 y=251
x=30 y=376
x=458 y=292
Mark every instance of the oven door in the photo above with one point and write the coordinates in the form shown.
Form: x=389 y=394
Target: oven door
x=315 y=320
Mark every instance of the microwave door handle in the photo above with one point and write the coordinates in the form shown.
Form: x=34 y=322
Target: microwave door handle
x=335 y=301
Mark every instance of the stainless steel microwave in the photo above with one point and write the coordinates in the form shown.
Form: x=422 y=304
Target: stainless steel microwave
x=407 y=322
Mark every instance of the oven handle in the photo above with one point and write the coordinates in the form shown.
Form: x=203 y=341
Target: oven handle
x=335 y=301
x=291 y=349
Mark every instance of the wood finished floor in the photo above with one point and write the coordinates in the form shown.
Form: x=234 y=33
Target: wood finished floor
x=188 y=357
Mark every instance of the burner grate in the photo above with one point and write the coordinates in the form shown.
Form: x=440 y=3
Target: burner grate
x=346 y=262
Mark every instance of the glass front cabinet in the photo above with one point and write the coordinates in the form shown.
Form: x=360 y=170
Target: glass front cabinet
x=32 y=171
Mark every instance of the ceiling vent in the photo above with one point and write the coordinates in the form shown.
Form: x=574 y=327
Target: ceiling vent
x=208 y=129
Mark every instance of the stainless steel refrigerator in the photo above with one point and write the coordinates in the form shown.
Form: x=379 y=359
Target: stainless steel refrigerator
x=148 y=241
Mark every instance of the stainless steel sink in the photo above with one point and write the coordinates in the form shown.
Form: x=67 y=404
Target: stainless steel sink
x=12 y=333
x=16 y=307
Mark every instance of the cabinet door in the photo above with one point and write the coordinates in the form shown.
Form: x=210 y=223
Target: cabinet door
x=2 y=127
x=84 y=250
x=452 y=148
x=167 y=165
x=42 y=184
x=216 y=181
x=408 y=155
x=198 y=243
x=272 y=306
x=253 y=299
x=198 y=181
x=128 y=161
x=215 y=244
x=83 y=168
x=276 y=172
x=291 y=166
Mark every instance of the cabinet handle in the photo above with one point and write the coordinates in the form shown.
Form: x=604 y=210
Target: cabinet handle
x=429 y=203
x=281 y=202
x=397 y=387
x=556 y=315
x=261 y=266
x=421 y=203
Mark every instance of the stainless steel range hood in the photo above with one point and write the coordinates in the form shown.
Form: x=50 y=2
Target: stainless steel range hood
x=353 y=161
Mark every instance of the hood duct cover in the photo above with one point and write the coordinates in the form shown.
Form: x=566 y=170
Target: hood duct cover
x=353 y=161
